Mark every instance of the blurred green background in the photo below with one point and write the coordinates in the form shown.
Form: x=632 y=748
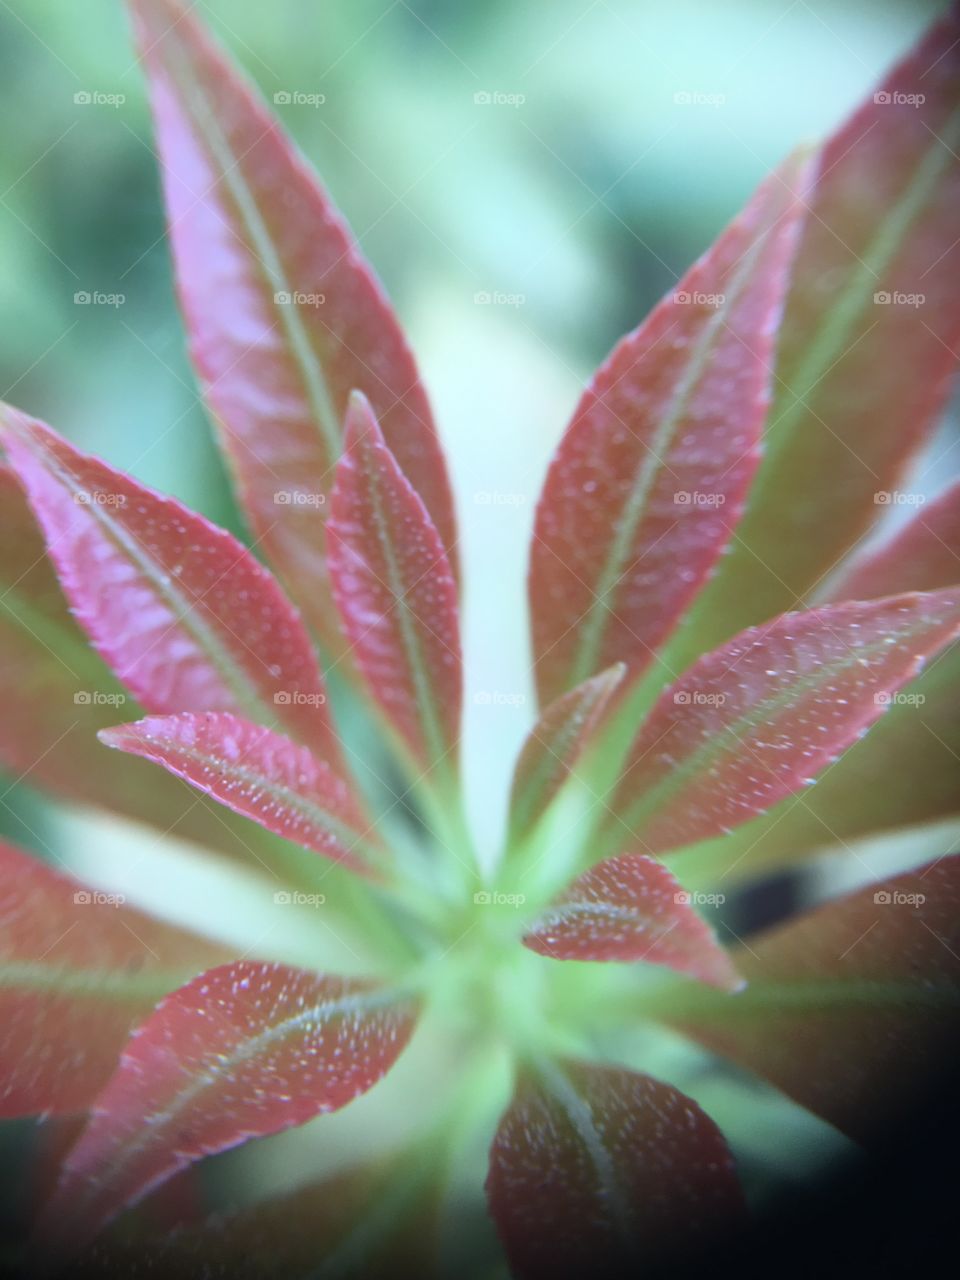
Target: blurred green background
x=567 y=160
x=527 y=179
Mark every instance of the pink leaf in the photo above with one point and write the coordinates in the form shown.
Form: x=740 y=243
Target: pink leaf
x=631 y=909
x=853 y=1010
x=78 y=969
x=753 y=721
x=651 y=476
x=868 y=343
x=285 y=317
x=395 y=592
x=183 y=613
x=904 y=772
x=554 y=747
x=243 y=1051
x=923 y=556
x=595 y=1168
x=258 y=774
x=56 y=693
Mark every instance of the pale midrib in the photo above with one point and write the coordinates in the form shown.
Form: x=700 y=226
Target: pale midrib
x=321 y=401
x=593 y=629
x=864 y=279
x=185 y=612
x=98 y=984
x=701 y=759
x=561 y=914
x=436 y=745
x=282 y=795
x=316 y=1015
x=580 y=1116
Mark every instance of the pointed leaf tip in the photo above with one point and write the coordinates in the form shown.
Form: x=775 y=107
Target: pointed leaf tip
x=242 y=1051
x=631 y=910
x=261 y=775
x=555 y=745
x=396 y=594
x=651 y=476
x=283 y=314
x=183 y=613
x=753 y=721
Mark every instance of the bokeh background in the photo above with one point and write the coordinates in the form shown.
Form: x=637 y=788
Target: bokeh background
x=618 y=137
x=527 y=178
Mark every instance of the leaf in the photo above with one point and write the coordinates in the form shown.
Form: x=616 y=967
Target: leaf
x=597 y=1168
x=285 y=318
x=396 y=594
x=756 y=719
x=259 y=774
x=554 y=747
x=243 y=1051
x=853 y=1010
x=904 y=772
x=651 y=475
x=859 y=382
x=628 y=910
x=57 y=693
x=78 y=969
x=923 y=556
x=183 y=613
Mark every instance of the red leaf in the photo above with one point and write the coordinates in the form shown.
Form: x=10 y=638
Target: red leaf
x=56 y=693
x=554 y=747
x=181 y=611
x=860 y=381
x=595 y=1167
x=395 y=592
x=249 y=225
x=243 y=1051
x=631 y=909
x=753 y=721
x=259 y=774
x=853 y=1010
x=651 y=476
x=923 y=556
x=77 y=970
x=904 y=772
